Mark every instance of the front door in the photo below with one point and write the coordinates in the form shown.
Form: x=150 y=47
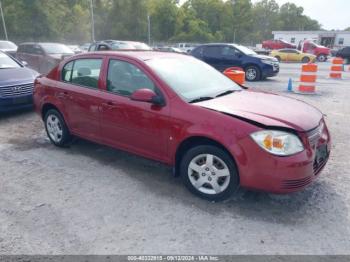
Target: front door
x=135 y=126
x=230 y=57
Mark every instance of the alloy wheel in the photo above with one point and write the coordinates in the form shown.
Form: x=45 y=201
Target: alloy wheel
x=251 y=74
x=209 y=174
x=54 y=128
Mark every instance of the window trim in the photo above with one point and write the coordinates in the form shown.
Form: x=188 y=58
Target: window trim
x=75 y=84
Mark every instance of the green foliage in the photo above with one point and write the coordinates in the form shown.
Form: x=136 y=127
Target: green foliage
x=194 y=21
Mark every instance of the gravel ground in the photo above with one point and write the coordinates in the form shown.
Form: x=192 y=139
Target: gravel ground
x=91 y=199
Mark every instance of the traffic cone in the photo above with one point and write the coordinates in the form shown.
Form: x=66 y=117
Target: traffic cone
x=290 y=86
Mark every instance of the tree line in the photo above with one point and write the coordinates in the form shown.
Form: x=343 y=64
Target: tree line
x=69 y=21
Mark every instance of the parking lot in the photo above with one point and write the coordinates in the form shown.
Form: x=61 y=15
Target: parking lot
x=91 y=199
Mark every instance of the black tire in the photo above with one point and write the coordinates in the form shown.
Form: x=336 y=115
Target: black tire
x=278 y=58
x=322 y=58
x=252 y=73
x=305 y=60
x=229 y=187
x=65 y=137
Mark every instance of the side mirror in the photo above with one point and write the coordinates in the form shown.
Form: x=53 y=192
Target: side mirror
x=24 y=63
x=148 y=96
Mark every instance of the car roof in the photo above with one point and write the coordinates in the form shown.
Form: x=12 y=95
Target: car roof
x=38 y=43
x=136 y=54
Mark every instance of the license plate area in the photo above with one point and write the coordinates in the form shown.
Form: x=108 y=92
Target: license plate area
x=20 y=100
x=321 y=156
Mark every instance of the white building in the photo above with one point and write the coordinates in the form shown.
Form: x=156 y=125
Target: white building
x=333 y=39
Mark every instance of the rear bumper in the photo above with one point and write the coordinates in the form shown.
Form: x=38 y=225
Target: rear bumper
x=16 y=103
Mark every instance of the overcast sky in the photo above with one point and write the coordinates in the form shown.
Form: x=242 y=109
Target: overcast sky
x=332 y=14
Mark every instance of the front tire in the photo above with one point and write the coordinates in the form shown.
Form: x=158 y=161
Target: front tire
x=209 y=172
x=252 y=73
x=56 y=128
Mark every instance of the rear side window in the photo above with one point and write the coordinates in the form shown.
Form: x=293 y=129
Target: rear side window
x=213 y=51
x=67 y=72
x=198 y=51
x=83 y=72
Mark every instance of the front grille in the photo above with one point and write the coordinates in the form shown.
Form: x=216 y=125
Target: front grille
x=296 y=183
x=315 y=135
x=16 y=90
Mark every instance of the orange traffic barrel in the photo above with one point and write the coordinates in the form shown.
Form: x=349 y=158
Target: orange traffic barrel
x=336 y=68
x=308 y=79
x=235 y=74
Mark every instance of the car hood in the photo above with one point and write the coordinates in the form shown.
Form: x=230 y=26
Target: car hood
x=267 y=109
x=14 y=76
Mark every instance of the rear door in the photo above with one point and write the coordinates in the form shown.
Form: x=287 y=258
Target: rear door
x=80 y=94
x=135 y=126
x=212 y=56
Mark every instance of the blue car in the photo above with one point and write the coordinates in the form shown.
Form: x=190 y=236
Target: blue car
x=223 y=56
x=16 y=84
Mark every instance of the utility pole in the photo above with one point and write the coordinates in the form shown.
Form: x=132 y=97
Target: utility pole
x=3 y=21
x=92 y=21
x=149 y=29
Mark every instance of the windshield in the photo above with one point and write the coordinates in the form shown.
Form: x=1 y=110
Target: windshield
x=191 y=78
x=141 y=46
x=56 y=49
x=7 y=45
x=7 y=62
x=245 y=50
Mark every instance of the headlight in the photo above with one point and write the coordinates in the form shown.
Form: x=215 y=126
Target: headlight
x=269 y=62
x=278 y=142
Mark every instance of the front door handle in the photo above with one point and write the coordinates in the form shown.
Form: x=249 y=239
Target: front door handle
x=110 y=104
x=63 y=95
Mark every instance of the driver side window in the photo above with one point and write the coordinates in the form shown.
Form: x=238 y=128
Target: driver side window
x=124 y=78
x=229 y=51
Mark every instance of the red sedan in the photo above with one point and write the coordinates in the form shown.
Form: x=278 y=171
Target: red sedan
x=180 y=111
x=277 y=44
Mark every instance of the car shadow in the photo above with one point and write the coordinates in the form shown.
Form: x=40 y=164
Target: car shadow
x=291 y=209
x=15 y=113
x=315 y=203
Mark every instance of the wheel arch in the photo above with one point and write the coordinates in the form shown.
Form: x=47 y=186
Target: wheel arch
x=193 y=141
x=46 y=107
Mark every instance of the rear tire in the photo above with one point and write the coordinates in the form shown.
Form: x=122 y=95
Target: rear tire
x=56 y=128
x=252 y=73
x=209 y=172
x=305 y=60
x=322 y=58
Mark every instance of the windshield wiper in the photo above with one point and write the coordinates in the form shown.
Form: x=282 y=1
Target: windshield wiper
x=225 y=93
x=202 y=98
